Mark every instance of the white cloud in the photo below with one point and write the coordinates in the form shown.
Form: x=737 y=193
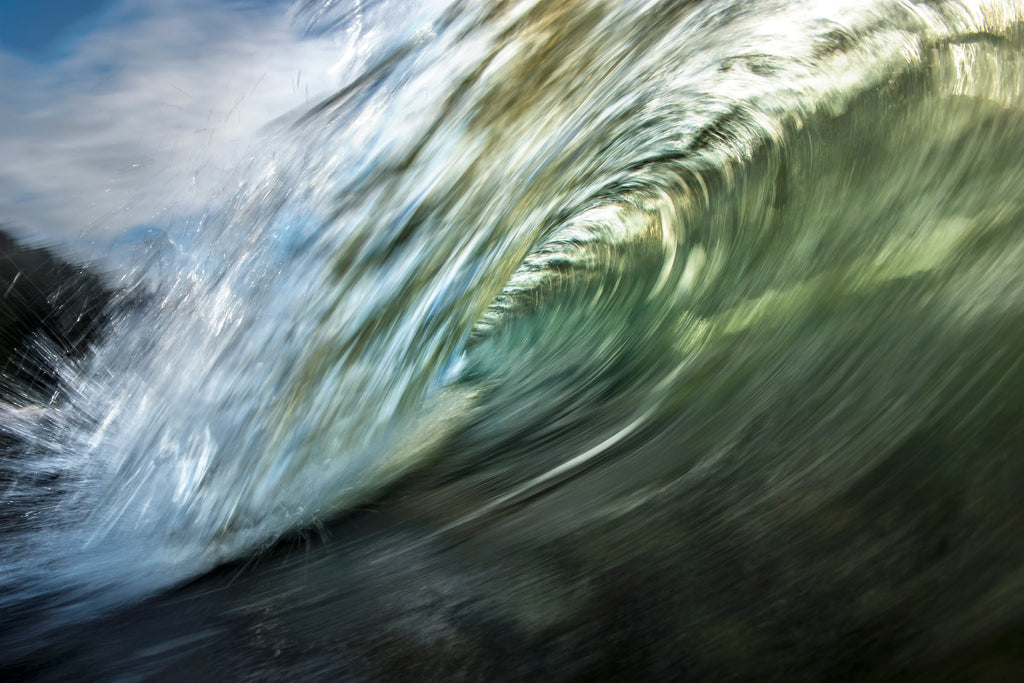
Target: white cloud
x=144 y=120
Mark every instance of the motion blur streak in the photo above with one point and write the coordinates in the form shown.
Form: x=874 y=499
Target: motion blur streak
x=587 y=340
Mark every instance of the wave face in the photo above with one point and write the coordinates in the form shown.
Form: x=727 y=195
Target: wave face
x=731 y=291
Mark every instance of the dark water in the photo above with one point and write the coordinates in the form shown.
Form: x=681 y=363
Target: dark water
x=658 y=341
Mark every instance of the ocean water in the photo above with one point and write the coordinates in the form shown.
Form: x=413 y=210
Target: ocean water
x=589 y=340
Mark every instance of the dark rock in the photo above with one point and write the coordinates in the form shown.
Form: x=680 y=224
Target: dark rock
x=51 y=310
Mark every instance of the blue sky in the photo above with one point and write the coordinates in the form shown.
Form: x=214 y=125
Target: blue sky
x=43 y=30
x=39 y=29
